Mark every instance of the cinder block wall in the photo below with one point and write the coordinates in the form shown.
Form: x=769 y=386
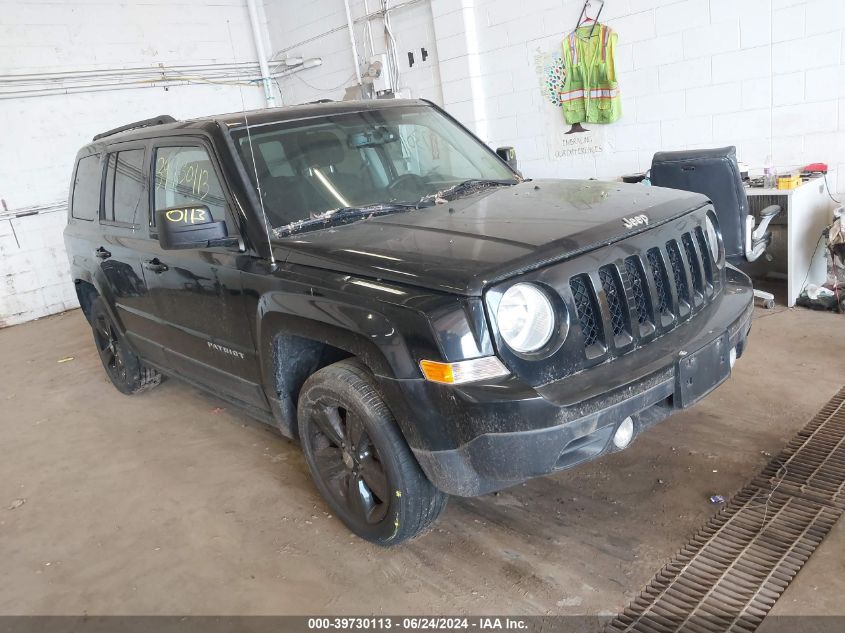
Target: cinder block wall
x=41 y=134
x=765 y=75
x=35 y=278
x=318 y=29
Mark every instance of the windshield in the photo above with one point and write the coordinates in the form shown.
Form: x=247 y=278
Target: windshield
x=397 y=157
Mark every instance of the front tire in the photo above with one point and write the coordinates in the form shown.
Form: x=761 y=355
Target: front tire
x=123 y=367
x=359 y=460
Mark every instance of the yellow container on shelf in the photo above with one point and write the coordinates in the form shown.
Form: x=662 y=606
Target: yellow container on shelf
x=789 y=181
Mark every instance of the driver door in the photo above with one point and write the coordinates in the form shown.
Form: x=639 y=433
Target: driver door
x=198 y=292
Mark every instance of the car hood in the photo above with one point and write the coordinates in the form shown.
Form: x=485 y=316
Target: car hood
x=464 y=245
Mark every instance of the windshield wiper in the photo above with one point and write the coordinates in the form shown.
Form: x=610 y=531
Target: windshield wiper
x=467 y=186
x=334 y=216
x=342 y=214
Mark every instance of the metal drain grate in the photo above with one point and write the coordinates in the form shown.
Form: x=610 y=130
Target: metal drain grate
x=730 y=574
x=813 y=463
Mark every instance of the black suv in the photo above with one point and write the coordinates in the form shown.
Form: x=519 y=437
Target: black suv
x=370 y=278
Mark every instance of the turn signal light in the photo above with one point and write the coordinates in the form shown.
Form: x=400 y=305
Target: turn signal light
x=463 y=371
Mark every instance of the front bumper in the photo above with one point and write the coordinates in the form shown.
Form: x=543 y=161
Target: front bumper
x=477 y=439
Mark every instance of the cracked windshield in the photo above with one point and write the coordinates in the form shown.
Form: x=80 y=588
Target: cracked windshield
x=316 y=171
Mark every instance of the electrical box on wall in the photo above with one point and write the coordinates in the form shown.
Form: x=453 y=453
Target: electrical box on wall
x=377 y=75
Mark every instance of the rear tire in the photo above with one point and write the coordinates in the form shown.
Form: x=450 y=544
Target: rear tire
x=359 y=460
x=123 y=367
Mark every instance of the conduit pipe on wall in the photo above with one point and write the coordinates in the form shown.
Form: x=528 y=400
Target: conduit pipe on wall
x=355 y=62
x=369 y=29
x=115 y=72
x=259 y=51
x=24 y=85
x=165 y=78
x=106 y=87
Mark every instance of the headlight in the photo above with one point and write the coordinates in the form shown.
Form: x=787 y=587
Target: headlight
x=525 y=318
x=712 y=238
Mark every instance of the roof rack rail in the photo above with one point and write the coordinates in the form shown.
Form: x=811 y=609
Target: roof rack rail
x=319 y=101
x=157 y=120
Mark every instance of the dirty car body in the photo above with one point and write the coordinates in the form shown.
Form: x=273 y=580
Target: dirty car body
x=347 y=238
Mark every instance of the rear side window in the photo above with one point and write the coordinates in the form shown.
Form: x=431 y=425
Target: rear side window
x=185 y=176
x=85 y=201
x=124 y=196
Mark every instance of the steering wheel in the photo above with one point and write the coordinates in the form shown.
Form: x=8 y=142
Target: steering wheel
x=407 y=183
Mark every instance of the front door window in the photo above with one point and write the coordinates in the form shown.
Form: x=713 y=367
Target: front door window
x=184 y=176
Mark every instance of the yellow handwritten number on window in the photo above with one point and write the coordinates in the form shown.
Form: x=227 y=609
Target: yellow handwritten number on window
x=190 y=215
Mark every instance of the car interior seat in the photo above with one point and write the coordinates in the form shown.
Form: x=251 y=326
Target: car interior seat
x=322 y=152
x=715 y=174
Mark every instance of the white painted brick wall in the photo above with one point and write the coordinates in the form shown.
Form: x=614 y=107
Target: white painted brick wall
x=290 y=24
x=41 y=135
x=765 y=75
x=709 y=39
x=678 y=16
x=655 y=52
x=692 y=73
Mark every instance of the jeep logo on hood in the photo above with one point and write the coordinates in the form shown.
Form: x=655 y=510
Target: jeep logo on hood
x=637 y=220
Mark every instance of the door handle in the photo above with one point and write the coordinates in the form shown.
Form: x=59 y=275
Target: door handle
x=155 y=266
x=102 y=253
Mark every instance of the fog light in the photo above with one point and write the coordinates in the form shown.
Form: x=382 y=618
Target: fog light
x=732 y=356
x=624 y=434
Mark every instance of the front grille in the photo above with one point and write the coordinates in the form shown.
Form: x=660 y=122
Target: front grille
x=644 y=293
x=613 y=291
x=585 y=307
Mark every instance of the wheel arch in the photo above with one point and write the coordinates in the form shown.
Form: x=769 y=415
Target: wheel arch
x=89 y=287
x=292 y=348
x=86 y=293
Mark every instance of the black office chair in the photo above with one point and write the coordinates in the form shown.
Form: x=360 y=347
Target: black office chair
x=715 y=173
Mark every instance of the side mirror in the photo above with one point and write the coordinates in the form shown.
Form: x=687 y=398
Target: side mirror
x=507 y=154
x=190 y=227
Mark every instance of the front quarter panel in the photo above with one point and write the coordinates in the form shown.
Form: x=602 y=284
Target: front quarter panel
x=390 y=327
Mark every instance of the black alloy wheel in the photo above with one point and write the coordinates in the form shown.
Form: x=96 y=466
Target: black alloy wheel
x=349 y=463
x=109 y=348
x=359 y=459
x=123 y=367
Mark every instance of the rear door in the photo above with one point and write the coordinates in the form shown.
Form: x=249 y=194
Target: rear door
x=82 y=234
x=198 y=293
x=125 y=242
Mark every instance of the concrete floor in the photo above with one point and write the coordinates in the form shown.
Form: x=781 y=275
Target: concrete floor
x=174 y=503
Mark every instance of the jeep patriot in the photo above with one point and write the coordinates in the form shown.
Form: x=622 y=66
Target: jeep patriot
x=373 y=281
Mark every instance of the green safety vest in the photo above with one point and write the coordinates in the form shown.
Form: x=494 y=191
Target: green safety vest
x=590 y=93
